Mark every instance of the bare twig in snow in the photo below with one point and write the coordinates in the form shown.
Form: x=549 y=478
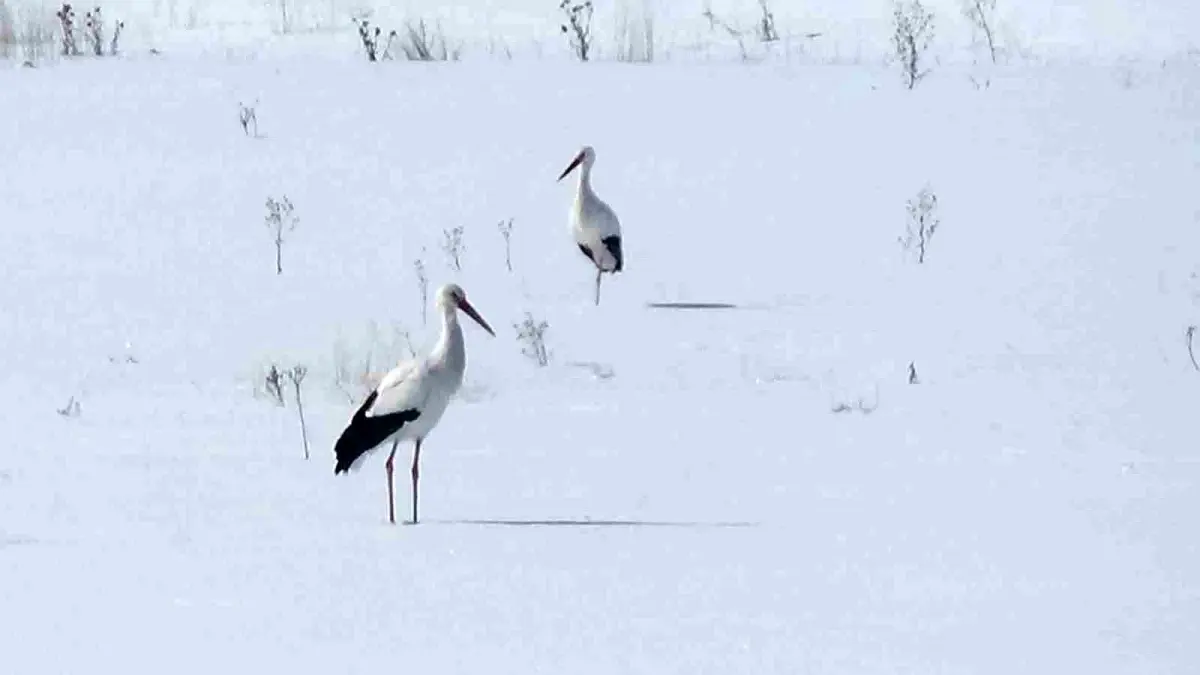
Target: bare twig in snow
x=280 y=218
x=296 y=375
x=505 y=227
x=71 y=409
x=248 y=116
x=922 y=224
x=980 y=13
x=94 y=23
x=766 y=24
x=273 y=384
x=116 y=37
x=452 y=244
x=370 y=39
x=1191 y=334
x=860 y=405
x=714 y=22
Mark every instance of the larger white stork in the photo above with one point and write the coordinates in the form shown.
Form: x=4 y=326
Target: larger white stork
x=594 y=224
x=410 y=400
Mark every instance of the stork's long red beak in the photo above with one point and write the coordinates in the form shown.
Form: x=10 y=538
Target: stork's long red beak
x=470 y=311
x=574 y=163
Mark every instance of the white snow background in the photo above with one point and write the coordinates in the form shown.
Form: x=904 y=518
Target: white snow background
x=750 y=490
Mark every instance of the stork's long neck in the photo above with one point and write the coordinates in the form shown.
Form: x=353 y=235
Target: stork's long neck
x=584 y=190
x=449 y=350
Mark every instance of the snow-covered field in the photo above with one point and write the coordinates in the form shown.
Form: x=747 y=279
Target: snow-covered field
x=748 y=490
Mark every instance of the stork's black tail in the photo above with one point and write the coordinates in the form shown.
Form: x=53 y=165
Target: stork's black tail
x=365 y=433
x=613 y=244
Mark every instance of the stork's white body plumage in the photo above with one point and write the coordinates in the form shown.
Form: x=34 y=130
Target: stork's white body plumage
x=593 y=223
x=411 y=398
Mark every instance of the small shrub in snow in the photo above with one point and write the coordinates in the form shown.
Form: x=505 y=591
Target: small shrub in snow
x=452 y=244
x=423 y=288
x=370 y=40
x=128 y=358
x=505 y=227
x=273 y=384
x=296 y=375
x=922 y=224
x=532 y=334
x=66 y=22
x=420 y=44
x=980 y=83
x=859 y=406
x=94 y=24
x=93 y=32
x=913 y=33
x=578 y=26
x=248 y=116
x=766 y=23
x=280 y=218
x=71 y=409
x=981 y=15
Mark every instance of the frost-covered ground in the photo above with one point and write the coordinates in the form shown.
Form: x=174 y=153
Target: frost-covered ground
x=674 y=492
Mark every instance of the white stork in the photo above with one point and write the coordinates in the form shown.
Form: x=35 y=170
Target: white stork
x=411 y=398
x=595 y=226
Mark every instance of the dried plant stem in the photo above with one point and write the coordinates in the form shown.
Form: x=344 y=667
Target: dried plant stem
x=1191 y=335
x=296 y=375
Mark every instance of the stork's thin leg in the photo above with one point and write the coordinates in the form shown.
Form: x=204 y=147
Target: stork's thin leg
x=415 y=475
x=598 y=273
x=391 y=493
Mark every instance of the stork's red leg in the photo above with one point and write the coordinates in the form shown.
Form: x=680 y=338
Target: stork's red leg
x=391 y=497
x=416 y=472
x=598 y=273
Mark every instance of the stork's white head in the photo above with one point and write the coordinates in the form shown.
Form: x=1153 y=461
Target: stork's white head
x=451 y=297
x=586 y=157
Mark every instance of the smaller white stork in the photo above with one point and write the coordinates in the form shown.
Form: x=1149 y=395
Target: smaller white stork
x=595 y=226
x=410 y=400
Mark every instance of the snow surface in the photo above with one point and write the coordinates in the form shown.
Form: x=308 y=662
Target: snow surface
x=675 y=492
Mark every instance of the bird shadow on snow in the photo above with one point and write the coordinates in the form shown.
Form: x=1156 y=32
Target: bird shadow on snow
x=572 y=522
x=7 y=540
x=691 y=305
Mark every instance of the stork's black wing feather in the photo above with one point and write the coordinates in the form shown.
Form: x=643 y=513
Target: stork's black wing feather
x=366 y=432
x=613 y=244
